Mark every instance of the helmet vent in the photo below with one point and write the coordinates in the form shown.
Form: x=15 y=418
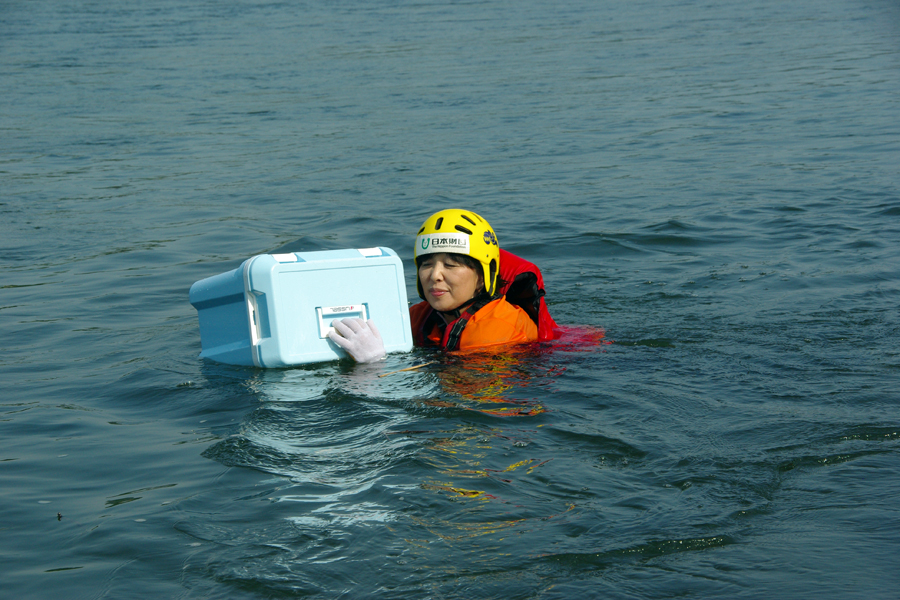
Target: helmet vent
x=421 y=230
x=469 y=220
x=440 y=222
x=463 y=229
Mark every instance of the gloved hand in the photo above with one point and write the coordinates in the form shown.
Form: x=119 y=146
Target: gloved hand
x=359 y=338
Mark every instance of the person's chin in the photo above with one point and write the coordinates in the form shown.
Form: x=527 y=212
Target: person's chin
x=441 y=305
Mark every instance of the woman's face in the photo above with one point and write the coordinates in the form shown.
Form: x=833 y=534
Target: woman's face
x=448 y=283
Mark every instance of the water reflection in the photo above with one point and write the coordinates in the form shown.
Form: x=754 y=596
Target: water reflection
x=442 y=463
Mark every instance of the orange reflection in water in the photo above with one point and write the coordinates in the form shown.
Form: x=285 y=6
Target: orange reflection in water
x=484 y=377
x=484 y=468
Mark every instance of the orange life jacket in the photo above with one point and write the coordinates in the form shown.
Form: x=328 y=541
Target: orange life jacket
x=498 y=322
x=518 y=315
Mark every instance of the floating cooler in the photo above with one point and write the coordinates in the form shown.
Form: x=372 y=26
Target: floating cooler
x=275 y=310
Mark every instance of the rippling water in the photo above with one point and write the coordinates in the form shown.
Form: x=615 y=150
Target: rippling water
x=716 y=186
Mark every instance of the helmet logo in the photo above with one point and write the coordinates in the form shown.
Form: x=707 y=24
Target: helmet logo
x=431 y=243
x=490 y=238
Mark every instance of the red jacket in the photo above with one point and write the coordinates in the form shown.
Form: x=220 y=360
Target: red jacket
x=516 y=314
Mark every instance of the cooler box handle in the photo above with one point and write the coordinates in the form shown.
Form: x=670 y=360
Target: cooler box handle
x=327 y=314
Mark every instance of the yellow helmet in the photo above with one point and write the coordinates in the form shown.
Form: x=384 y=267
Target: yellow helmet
x=460 y=232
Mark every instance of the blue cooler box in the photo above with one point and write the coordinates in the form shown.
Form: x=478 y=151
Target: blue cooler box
x=275 y=310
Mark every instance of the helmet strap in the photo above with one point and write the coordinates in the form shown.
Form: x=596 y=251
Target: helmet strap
x=492 y=284
x=462 y=319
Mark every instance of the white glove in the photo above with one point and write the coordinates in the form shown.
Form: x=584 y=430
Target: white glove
x=359 y=338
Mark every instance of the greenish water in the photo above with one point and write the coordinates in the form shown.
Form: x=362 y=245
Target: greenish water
x=714 y=185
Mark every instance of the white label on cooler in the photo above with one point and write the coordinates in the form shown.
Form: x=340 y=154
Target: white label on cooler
x=327 y=314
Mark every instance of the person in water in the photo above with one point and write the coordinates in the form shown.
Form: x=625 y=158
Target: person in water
x=475 y=294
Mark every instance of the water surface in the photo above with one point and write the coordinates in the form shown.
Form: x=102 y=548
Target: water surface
x=713 y=185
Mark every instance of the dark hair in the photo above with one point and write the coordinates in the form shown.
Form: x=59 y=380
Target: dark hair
x=460 y=258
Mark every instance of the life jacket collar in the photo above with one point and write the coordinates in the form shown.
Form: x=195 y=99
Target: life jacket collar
x=479 y=299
